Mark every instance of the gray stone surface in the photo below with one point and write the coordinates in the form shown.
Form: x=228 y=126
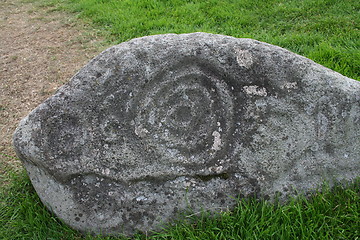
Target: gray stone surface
x=164 y=123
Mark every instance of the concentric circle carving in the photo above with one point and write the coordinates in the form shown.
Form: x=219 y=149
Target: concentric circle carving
x=185 y=114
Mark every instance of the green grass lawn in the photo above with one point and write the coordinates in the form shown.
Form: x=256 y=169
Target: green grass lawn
x=326 y=31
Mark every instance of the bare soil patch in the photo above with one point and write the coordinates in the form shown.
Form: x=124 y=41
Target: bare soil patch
x=40 y=49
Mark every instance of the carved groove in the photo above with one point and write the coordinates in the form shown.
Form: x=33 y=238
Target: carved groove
x=185 y=114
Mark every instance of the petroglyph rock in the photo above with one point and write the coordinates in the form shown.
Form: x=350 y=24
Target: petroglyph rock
x=164 y=123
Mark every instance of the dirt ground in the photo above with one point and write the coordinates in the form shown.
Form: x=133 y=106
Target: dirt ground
x=40 y=49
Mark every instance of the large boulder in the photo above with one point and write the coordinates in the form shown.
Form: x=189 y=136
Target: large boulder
x=162 y=124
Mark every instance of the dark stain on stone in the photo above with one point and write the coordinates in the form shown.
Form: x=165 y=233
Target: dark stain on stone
x=330 y=149
x=209 y=177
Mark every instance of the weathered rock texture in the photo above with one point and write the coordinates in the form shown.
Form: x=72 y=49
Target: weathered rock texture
x=164 y=123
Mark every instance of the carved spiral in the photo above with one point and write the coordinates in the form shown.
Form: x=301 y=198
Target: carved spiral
x=185 y=114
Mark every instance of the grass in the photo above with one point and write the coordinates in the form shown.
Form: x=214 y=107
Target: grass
x=326 y=31
x=327 y=214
